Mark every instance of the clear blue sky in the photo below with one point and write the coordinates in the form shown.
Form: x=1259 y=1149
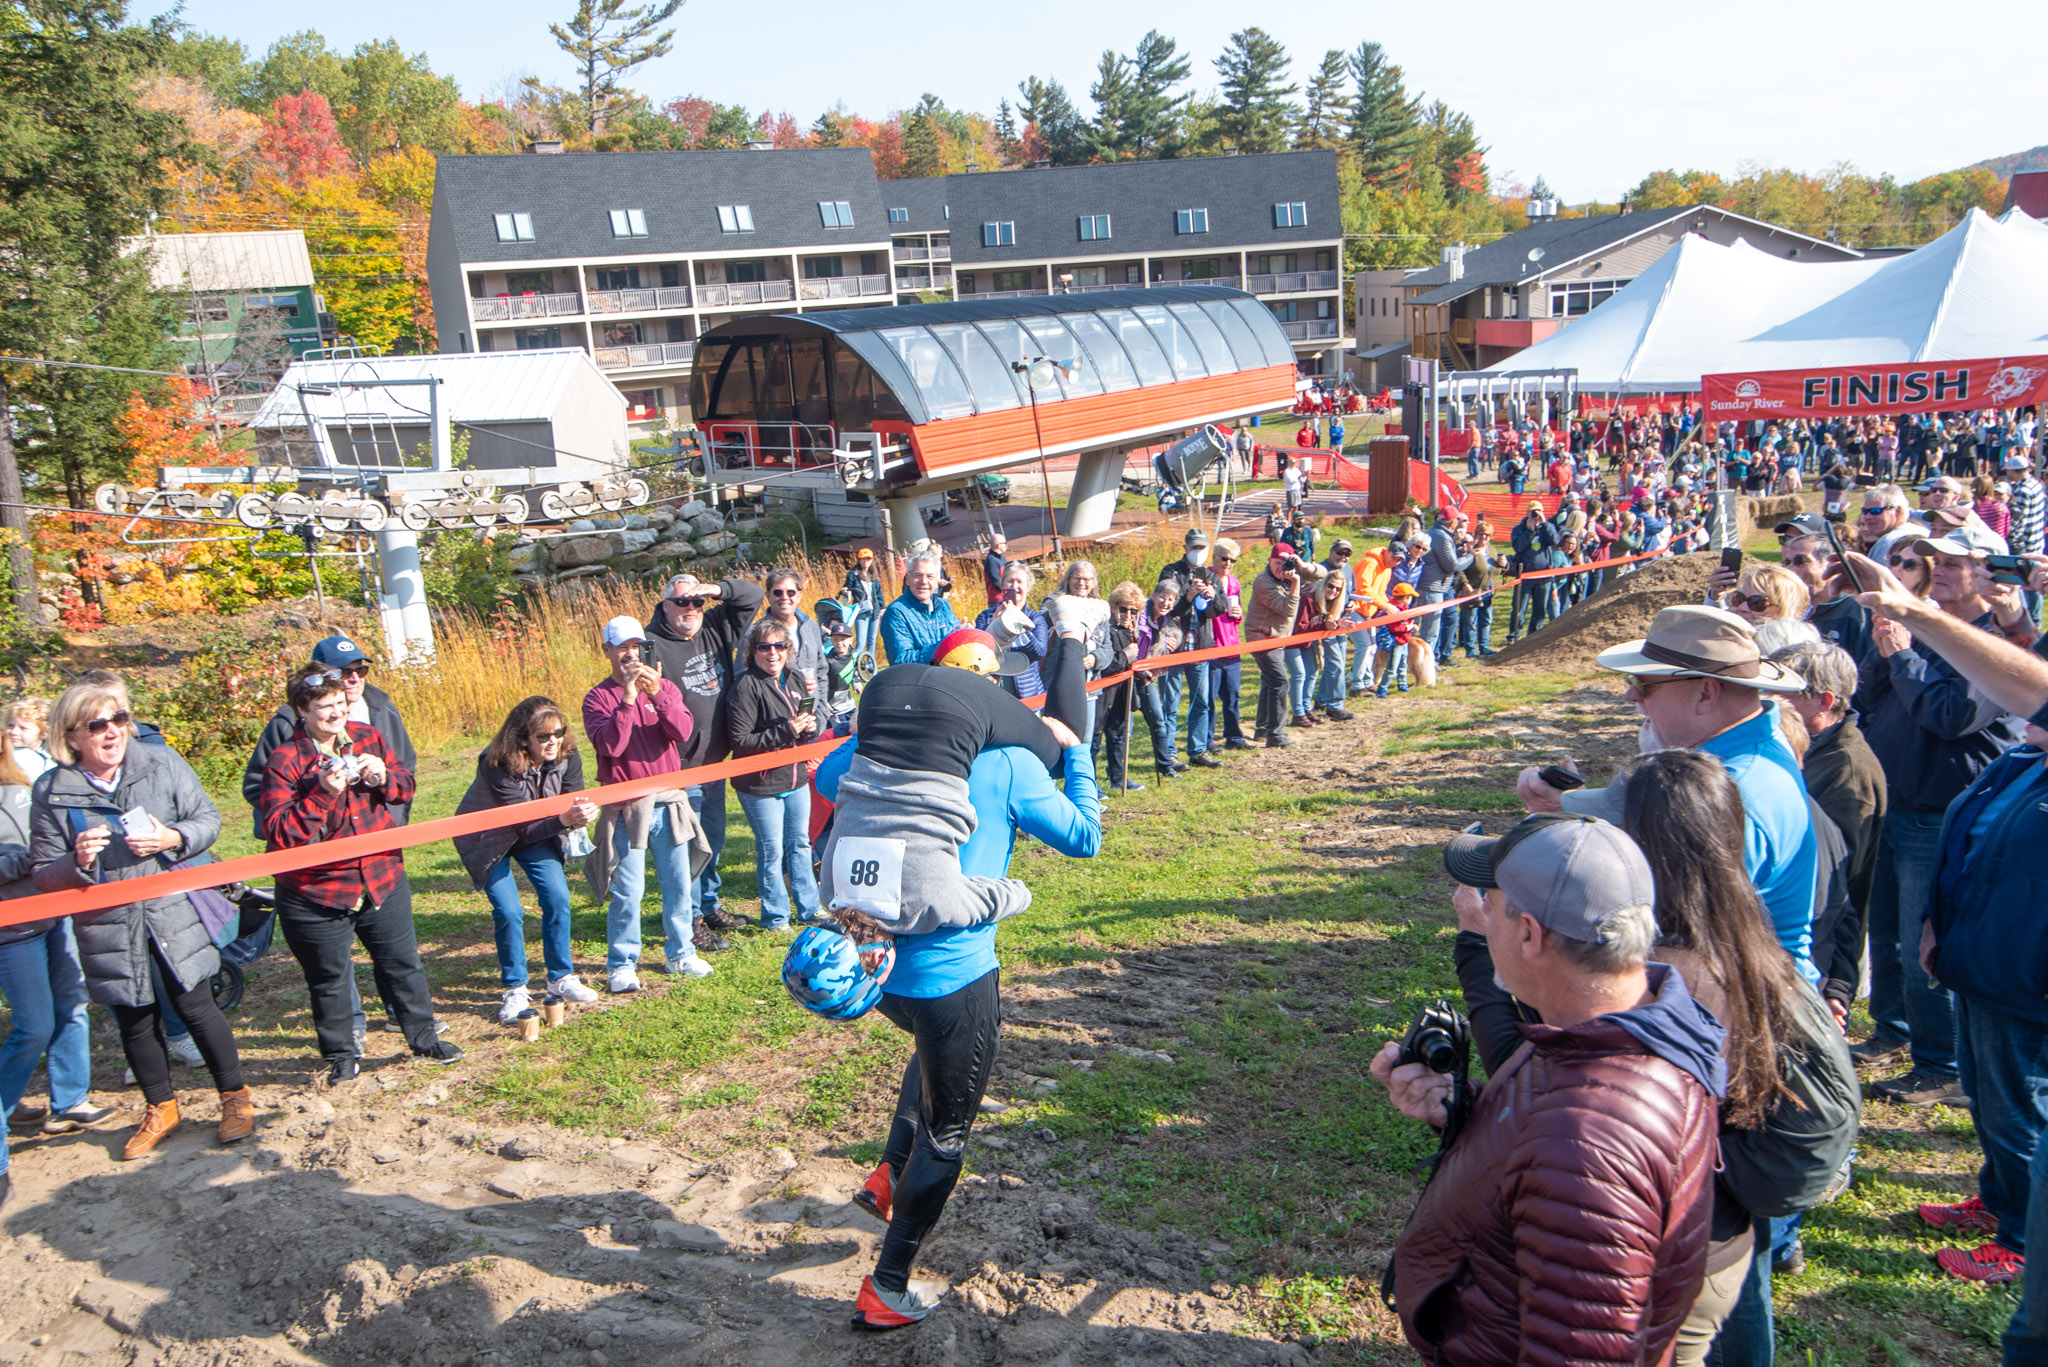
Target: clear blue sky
x=1591 y=94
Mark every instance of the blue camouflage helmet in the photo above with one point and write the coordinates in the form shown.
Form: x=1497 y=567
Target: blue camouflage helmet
x=823 y=973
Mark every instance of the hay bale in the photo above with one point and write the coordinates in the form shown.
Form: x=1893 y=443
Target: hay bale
x=1621 y=611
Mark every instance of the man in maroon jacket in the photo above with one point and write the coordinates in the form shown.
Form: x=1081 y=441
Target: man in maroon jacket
x=1567 y=1222
x=636 y=720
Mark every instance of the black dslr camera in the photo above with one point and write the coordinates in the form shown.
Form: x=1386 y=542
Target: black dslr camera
x=1440 y=1040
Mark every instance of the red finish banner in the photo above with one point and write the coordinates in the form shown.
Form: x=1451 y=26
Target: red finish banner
x=1902 y=387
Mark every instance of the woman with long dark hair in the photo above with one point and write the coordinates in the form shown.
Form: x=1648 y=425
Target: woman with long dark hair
x=531 y=757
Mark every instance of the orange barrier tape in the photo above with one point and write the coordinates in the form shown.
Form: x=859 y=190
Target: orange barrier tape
x=251 y=868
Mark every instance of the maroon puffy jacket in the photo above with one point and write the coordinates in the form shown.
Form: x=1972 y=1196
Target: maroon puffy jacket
x=1569 y=1223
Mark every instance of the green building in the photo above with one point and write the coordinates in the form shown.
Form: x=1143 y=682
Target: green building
x=245 y=304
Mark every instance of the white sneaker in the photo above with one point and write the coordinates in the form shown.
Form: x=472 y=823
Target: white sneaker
x=623 y=979
x=690 y=965
x=186 y=1051
x=571 y=989
x=517 y=999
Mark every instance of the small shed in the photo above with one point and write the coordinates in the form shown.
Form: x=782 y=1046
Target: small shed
x=518 y=409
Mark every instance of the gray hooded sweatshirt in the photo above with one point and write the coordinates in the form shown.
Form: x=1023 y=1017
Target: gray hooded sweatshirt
x=894 y=853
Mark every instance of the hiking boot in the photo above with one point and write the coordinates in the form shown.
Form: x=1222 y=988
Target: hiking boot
x=1237 y=743
x=1877 y=1050
x=879 y=1309
x=346 y=1068
x=1208 y=761
x=1969 y=1217
x=1791 y=1262
x=718 y=918
x=1281 y=741
x=705 y=940
x=27 y=1119
x=877 y=1192
x=157 y=1124
x=237 y=1116
x=1993 y=1264
x=1338 y=714
x=1918 y=1088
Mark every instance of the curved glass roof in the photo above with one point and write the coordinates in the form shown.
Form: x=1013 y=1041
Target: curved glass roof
x=957 y=359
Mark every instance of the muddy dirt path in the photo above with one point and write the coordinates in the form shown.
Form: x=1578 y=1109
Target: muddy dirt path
x=371 y=1224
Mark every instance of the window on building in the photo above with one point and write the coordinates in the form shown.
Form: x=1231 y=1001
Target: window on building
x=538 y=339
x=529 y=282
x=1134 y=274
x=514 y=227
x=1293 y=215
x=1002 y=234
x=1094 y=227
x=836 y=213
x=1091 y=275
x=899 y=215
x=629 y=223
x=735 y=218
x=1191 y=220
x=641 y=404
x=823 y=267
x=1577 y=298
x=618 y=278
x=966 y=282
x=271 y=305
x=1013 y=280
x=745 y=272
x=207 y=308
x=671 y=275
x=1201 y=268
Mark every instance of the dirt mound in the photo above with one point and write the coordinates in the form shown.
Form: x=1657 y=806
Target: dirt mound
x=1621 y=611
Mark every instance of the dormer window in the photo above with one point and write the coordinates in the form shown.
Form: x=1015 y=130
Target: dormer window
x=735 y=218
x=514 y=227
x=629 y=223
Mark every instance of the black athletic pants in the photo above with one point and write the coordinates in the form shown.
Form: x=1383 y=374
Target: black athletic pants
x=323 y=939
x=956 y=1039
x=1272 y=708
x=142 y=1037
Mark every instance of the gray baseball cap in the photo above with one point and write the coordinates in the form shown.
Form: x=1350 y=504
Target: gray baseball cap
x=1569 y=872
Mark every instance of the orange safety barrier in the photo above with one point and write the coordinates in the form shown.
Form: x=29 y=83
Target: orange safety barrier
x=249 y=868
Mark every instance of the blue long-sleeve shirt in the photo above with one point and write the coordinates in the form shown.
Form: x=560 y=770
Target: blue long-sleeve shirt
x=1011 y=792
x=911 y=630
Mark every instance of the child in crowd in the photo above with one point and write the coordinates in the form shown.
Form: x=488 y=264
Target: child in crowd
x=26 y=719
x=839 y=680
x=1392 y=641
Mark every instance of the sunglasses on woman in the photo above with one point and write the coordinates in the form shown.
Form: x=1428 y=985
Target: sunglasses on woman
x=770 y=645
x=1756 y=601
x=556 y=734
x=98 y=725
x=1907 y=562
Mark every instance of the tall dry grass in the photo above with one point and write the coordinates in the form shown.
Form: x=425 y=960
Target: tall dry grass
x=485 y=663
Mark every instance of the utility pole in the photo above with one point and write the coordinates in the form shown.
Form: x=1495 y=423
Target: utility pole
x=13 y=516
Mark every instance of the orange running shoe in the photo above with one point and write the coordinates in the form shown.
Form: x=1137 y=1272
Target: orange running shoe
x=877 y=1192
x=878 y=1309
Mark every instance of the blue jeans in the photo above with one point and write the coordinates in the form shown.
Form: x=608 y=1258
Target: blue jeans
x=1330 y=684
x=863 y=638
x=1475 y=625
x=1747 y=1337
x=782 y=853
x=629 y=886
x=1297 y=681
x=1432 y=630
x=1156 y=723
x=2026 y=1337
x=1225 y=682
x=2004 y=1062
x=707 y=800
x=45 y=991
x=1394 y=668
x=1359 y=676
x=1903 y=1003
x=1194 y=681
x=544 y=870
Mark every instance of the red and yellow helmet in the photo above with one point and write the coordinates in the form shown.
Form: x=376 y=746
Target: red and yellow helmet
x=971 y=649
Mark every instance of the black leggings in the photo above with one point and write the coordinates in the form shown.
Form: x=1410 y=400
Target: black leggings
x=1065 y=674
x=142 y=1037
x=956 y=1047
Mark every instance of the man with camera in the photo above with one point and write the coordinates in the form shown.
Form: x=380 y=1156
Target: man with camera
x=1275 y=601
x=1198 y=601
x=1568 y=1215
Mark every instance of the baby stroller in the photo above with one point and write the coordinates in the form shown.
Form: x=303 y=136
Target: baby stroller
x=830 y=610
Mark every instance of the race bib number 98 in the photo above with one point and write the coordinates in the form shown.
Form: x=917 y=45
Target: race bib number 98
x=867 y=875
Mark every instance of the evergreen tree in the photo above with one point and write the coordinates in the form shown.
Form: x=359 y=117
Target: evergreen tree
x=1384 y=135
x=1454 y=146
x=81 y=167
x=1153 y=110
x=834 y=128
x=1254 y=114
x=1052 y=125
x=1541 y=189
x=606 y=39
x=1107 y=137
x=923 y=130
x=1327 y=105
x=1008 y=148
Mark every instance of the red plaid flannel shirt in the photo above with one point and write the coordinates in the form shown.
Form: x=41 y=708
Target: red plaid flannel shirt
x=293 y=809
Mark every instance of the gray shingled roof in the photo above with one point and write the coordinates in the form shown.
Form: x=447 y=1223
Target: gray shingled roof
x=570 y=197
x=1141 y=198
x=1506 y=260
x=926 y=198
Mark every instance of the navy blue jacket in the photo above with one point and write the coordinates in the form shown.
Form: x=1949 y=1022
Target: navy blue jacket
x=1991 y=940
x=1929 y=730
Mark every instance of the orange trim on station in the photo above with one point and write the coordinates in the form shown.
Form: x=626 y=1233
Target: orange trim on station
x=1075 y=424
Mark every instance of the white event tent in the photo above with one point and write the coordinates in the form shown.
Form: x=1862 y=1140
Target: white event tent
x=1979 y=290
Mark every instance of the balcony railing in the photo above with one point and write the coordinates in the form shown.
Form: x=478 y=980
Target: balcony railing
x=910 y=251
x=640 y=300
x=506 y=307
x=924 y=278
x=1309 y=329
x=644 y=354
x=1291 y=282
x=1228 y=281
x=844 y=287
x=1085 y=289
x=1005 y=294
x=745 y=292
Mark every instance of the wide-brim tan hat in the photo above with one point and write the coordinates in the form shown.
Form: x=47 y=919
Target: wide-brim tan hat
x=1695 y=642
